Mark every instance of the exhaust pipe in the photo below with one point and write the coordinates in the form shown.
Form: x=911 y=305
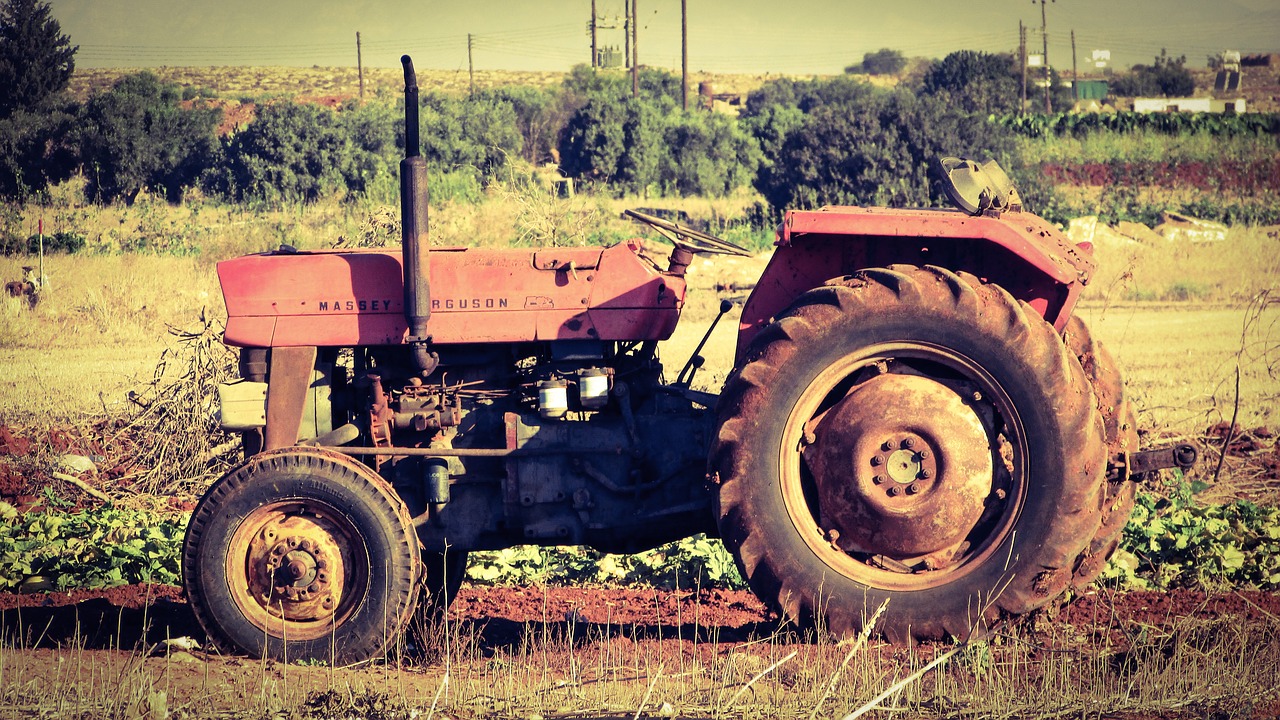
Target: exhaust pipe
x=415 y=239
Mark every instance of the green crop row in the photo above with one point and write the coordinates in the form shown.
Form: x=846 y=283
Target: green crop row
x=1076 y=124
x=1170 y=542
x=88 y=549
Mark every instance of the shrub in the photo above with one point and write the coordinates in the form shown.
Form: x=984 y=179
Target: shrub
x=881 y=62
x=1166 y=76
x=478 y=133
x=872 y=149
x=136 y=136
x=978 y=82
x=709 y=154
x=289 y=153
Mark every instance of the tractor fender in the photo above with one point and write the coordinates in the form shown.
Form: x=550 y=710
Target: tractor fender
x=1021 y=252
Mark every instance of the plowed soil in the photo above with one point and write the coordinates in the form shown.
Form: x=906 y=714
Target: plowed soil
x=734 y=614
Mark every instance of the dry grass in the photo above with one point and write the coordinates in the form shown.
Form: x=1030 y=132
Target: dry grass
x=1231 y=271
x=344 y=82
x=1188 y=668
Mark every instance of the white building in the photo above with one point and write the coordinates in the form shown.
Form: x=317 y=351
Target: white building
x=1201 y=104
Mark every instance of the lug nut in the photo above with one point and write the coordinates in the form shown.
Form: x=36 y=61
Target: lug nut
x=924 y=454
x=925 y=474
x=879 y=479
x=886 y=446
x=877 y=461
x=909 y=443
x=913 y=488
x=895 y=491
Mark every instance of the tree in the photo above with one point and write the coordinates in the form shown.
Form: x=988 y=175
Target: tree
x=709 y=155
x=289 y=152
x=34 y=152
x=36 y=59
x=1167 y=76
x=976 y=81
x=884 y=61
x=136 y=136
x=874 y=151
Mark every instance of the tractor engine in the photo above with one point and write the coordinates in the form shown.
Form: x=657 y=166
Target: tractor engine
x=541 y=418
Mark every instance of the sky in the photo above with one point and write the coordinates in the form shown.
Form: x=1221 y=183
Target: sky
x=730 y=36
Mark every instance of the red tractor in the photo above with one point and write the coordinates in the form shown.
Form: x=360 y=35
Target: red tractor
x=914 y=415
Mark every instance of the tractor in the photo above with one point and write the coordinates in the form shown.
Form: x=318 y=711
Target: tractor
x=914 y=416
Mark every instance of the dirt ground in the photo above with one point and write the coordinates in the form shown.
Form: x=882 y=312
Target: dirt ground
x=549 y=635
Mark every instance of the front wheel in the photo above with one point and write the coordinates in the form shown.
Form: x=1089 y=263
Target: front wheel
x=912 y=436
x=302 y=553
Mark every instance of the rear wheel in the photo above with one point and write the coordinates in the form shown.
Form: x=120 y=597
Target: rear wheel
x=912 y=436
x=302 y=553
x=1121 y=430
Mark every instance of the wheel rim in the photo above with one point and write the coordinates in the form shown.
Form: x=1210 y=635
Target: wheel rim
x=903 y=465
x=297 y=568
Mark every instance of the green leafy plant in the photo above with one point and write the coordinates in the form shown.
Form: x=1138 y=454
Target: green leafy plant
x=1177 y=542
x=90 y=548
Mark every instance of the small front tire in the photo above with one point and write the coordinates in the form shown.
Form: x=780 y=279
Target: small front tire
x=302 y=554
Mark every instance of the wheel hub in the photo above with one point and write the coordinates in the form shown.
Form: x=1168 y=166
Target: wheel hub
x=903 y=468
x=295 y=568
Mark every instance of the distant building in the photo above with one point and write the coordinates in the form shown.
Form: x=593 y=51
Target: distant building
x=1213 y=105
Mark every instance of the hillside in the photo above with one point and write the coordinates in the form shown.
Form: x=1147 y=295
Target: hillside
x=344 y=82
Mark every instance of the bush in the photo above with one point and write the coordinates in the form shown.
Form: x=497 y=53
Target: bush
x=478 y=133
x=978 y=82
x=539 y=117
x=870 y=148
x=289 y=153
x=33 y=151
x=1167 y=76
x=708 y=154
x=881 y=62
x=136 y=136
x=619 y=142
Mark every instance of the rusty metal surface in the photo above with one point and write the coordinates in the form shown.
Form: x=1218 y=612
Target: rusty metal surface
x=355 y=297
x=1027 y=235
x=903 y=467
x=289 y=379
x=1022 y=253
x=291 y=568
x=1172 y=456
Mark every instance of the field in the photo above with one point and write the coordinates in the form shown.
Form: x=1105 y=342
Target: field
x=1194 y=329
x=114 y=366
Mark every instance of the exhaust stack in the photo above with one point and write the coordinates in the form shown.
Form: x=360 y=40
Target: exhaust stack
x=415 y=239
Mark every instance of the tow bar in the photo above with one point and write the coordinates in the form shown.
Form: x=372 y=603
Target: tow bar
x=1132 y=466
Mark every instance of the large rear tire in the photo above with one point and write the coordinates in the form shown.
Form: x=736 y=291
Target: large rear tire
x=913 y=436
x=1121 y=431
x=302 y=554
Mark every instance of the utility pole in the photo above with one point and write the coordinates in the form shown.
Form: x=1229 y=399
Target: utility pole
x=593 y=34
x=684 y=53
x=471 y=69
x=1022 y=59
x=635 y=53
x=1048 y=77
x=626 y=32
x=1075 y=75
x=359 y=65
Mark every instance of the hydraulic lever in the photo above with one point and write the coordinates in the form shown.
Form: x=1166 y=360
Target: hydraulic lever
x=685 y=378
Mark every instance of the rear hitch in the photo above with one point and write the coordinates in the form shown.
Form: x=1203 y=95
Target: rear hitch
x=1132 y=466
